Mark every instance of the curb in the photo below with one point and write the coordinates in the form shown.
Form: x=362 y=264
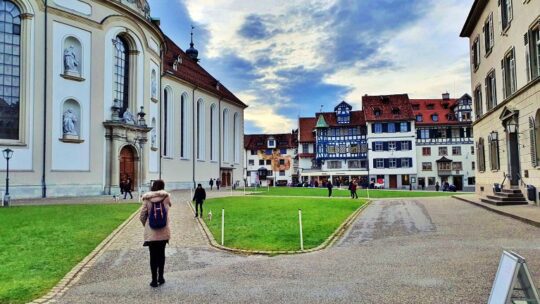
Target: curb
x=516 y=217
x=76 y=272
x=327 y=243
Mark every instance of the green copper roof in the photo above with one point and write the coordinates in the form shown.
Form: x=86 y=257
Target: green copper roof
x=321 y=123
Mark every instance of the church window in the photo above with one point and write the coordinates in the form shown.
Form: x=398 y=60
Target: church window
x=226 y=136
x=236 y=138
x=183 y=126
x=10 y=63
x=200 y=130
x=213 y=133
x=121 y=73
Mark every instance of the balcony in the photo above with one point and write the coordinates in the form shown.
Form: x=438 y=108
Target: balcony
x=445 y=141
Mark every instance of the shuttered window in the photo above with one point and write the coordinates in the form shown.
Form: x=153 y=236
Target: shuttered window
x=481 y=155
x=533 y=132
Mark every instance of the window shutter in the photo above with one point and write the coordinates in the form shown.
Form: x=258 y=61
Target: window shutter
x=503 y=78
x=448 y=133
x=510 y=12
x=527 y=57
x=410 y=162
x=397 y=127
x=373 y=146
x=398 y=146
x=374 y=163
x=398 y=162
x=491 y=30
x=418 y=134
x=408 y=127
x=386 y=163
x=385 y=128
x=461 y=133
x=385 y=146
x=373 y=128
x=532 y=132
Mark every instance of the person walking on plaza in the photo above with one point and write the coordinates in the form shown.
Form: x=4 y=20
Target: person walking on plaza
x=211 y=183
x=218 y=183
x=198 y=198
x=437 y=186
x=155 y=218
x=127 y=188
x=354 y=186
x=329 y=186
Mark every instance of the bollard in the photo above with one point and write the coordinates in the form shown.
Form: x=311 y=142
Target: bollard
x=301 y=236
x=222 y=227
x=2 y=195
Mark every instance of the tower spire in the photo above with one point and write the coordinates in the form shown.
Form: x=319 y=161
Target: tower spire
x=192 y=51
x=192 y=28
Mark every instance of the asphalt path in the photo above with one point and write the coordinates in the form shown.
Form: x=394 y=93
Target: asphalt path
x=429 y=250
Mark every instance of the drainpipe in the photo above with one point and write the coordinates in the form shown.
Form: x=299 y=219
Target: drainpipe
x=219 y=137
x=193 y=134
x=44 y=155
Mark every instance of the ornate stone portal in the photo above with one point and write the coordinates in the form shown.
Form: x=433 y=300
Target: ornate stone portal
x=122 y=133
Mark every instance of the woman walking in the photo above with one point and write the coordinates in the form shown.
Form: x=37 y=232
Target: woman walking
x=155 y=219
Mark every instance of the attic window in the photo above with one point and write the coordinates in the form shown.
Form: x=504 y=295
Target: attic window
x=430 y=106
x=445 y=105
x=419 y=118
x=177 y=62
x=377 y=112
x=416 y=107
x=435 y=117
x=395 y=111
x=385 y=99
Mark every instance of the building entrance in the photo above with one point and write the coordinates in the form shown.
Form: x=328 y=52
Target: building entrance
x=127 y=165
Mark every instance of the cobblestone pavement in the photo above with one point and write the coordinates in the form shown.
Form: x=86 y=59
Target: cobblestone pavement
x=432 y=250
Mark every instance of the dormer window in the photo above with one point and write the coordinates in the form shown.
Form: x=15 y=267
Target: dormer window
x=343 y=113
x=430 y=106
x=177 y=62
x=416 y=107
x=271 y=142
x=395 y=111
x=419 y=118
x=377 y=112
x=435 y=117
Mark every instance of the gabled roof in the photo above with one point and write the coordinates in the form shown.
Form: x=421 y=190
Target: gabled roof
x=472 y=19
x=341 y=104
x=321 y=123
x=444 y=108
x=443 y=160
x=260 y=141
x=306 y=126
x=387 y=104
x=191 y=72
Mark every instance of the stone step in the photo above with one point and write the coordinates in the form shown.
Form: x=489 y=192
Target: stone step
x=511 y=191
x=506 y=199
x=501 y=194
x=503 y=203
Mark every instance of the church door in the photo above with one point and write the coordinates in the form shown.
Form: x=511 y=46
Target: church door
x=127 y=165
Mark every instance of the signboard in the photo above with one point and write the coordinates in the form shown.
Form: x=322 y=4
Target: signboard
x=512 y=271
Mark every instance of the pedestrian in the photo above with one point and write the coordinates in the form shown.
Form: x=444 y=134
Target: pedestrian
x=198 y=198
x=127 y=188
x=218 y=183
x=354 y=186
x=122 y=185
x=350 y=188
x=211 y=183
x=329 y=186
x=437 y=186
x=155 y=219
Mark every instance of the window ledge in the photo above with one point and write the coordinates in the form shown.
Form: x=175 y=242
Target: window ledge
x=71 y=140
x=153 y=99
x=488 y=52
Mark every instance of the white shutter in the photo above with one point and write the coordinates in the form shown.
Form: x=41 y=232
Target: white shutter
x=491 y=30
x=509 y=8
x=532 y=132
x=493 y=89
x=503 y=79
x=527 y=57
x=513 y=85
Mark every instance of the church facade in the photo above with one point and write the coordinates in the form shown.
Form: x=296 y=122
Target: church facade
x=94 y=92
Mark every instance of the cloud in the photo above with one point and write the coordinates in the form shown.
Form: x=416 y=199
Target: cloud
x=258 y=27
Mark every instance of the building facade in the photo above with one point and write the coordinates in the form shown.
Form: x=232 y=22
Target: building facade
x=444 y=142
x=391 y=140
x=339 y=145
x=271 y=159
x=94 y=92
x=504 y=41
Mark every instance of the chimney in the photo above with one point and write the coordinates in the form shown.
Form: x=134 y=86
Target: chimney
x=446 y=96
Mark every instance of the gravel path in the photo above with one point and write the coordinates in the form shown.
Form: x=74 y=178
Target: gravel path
x=432 y=250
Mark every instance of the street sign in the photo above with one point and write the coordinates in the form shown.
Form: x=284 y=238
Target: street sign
x=513 y=275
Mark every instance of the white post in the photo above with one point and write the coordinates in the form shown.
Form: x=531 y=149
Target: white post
x=2 y=195
x=301 y=236
x=222 y=226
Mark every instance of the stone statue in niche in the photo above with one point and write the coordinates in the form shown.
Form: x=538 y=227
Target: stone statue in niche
x=71 y=63
x=69 y=121
x=128 y=118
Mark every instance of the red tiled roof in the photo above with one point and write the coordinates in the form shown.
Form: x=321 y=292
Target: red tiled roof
x=306 y=125
x=357 y=119
x=260 y=141
x=386 y=104
x=193 y=73
x=444 y=108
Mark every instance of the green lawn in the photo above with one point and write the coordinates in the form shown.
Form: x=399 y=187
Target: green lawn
x=40 y=244
x=375 y=193
x=267 y=223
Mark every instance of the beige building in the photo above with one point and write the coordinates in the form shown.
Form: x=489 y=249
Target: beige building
x=505 y=70
x=93 y=92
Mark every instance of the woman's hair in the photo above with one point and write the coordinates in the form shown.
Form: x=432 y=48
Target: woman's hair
x=158 y=185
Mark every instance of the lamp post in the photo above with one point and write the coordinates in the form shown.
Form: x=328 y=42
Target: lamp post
x=8 y=153
x=511 y=126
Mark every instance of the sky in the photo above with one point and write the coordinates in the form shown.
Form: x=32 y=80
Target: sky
x=291 y=58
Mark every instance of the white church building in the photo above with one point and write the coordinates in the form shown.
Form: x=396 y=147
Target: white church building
x=93 y=92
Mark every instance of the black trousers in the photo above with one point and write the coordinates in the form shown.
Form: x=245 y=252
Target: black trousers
x=126 y=193
x=157 y=259
x=329 y=192
x=353 y=194
x=198 y=206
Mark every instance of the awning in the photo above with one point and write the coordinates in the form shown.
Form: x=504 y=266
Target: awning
x=443 y=160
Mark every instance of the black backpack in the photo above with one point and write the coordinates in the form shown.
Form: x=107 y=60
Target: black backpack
x=157 y=218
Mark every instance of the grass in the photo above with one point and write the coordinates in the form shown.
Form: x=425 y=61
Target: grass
x=323 y=192
x=267 y=223
x=40 y=244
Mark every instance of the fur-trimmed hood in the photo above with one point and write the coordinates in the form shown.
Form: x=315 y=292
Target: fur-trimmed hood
x=161 y=194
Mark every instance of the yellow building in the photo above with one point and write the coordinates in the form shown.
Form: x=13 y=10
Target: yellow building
x=505 y=80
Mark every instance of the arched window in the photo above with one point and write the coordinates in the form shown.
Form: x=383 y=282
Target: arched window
x=200 y=130
x=183 y=126
x=121 y=73
x=168 y=123
x=213 y=132
x=10 y=63
x=236 y=138
x=226 y=137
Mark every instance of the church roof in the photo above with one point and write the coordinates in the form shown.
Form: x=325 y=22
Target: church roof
x=190 y=71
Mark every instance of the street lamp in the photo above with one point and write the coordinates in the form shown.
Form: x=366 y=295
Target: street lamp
x=511 y=126
x=8 y=153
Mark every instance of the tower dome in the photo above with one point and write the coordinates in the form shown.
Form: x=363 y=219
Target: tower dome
x=192 y=52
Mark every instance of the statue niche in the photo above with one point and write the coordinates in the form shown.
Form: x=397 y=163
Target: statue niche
x=72 y=59
x=71 y=124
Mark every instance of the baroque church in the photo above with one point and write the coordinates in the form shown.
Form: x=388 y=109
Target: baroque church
x=93 y=92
